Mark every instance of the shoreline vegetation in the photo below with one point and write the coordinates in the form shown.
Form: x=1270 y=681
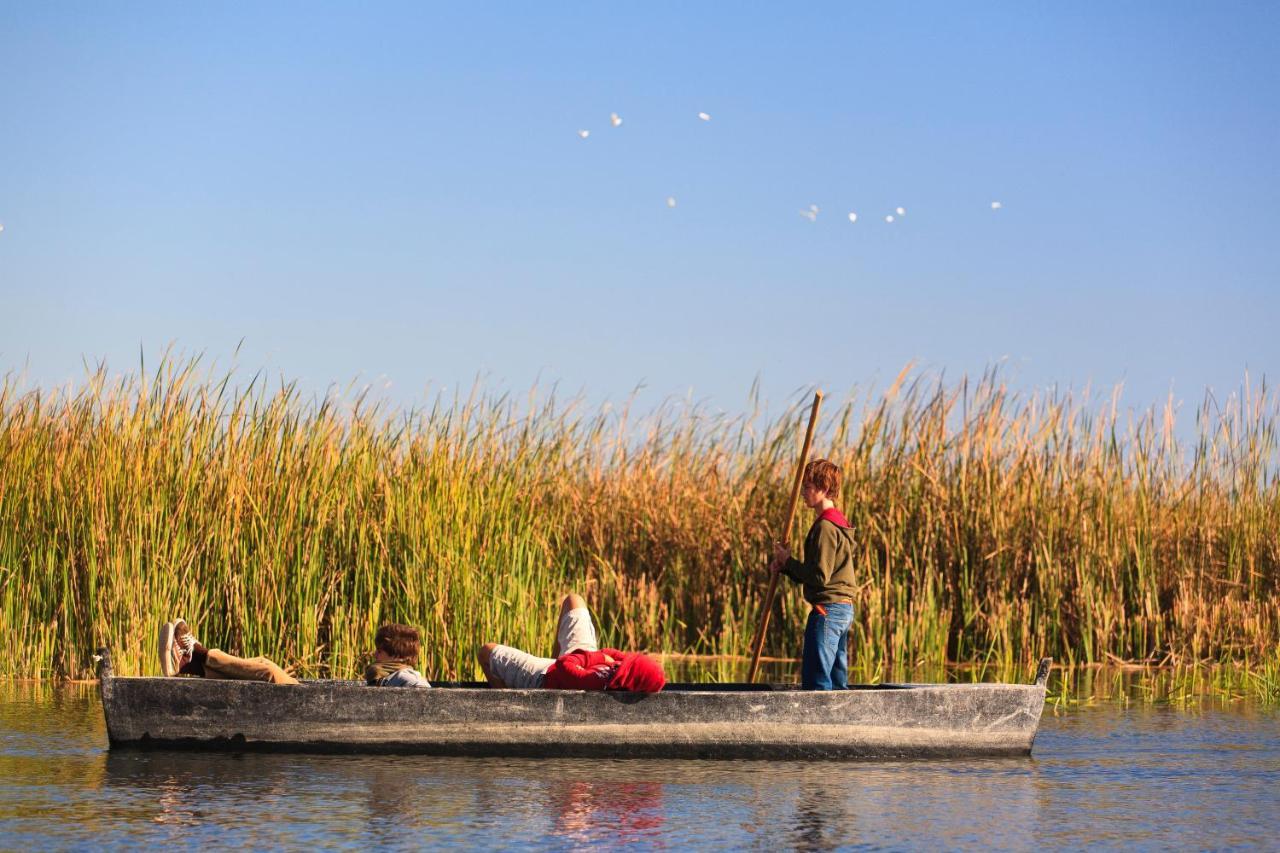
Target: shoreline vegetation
x=996 y=528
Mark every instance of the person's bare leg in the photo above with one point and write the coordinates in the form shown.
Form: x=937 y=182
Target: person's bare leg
x=483 y=656
x=572 y=601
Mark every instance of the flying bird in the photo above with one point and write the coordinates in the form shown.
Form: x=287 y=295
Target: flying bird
x=583 y=134
x=671 y=201
x=615 y=119
x=995 y=205
x=704 y=116
x=853 y=217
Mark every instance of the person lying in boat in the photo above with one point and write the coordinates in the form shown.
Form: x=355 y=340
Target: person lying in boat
x=182 y=654
x=827 y=576
x=395 y=653
x=576 y=663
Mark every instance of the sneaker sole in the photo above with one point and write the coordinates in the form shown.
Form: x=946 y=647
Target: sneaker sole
x=165 y=647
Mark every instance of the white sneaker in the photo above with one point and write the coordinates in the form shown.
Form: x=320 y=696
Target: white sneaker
x=184 y=640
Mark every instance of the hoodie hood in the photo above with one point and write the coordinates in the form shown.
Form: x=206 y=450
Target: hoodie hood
x=638 y=673
x=836 y=517
x=375 y=672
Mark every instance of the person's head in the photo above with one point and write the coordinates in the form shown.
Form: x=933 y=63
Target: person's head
x=638 y=672
x=821 y=483
x=396 y=643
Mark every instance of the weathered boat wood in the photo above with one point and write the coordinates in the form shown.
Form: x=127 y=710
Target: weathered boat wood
x=683 y=721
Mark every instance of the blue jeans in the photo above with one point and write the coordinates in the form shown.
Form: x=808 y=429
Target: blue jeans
x=825 y=662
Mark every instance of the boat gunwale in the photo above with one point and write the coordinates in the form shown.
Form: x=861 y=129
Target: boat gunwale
x=106 y=675
x=677 y=688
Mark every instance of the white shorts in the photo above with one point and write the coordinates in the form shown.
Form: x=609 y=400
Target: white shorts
x=523 y=671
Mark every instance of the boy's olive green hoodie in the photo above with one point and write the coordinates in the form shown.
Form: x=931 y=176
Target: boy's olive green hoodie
x=826 y=573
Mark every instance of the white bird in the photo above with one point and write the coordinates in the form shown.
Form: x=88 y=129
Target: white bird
x=704 y=116
x=995 y=205
x=853 y=217
x=615 y=119
x=902 y=211
x=811 y=214
x=583 y=134
x=671 y=201
x=889 y=218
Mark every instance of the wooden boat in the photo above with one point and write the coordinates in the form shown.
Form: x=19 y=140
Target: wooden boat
x=683 y=721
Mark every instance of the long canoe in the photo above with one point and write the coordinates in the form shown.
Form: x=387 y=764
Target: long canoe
x=772 y=721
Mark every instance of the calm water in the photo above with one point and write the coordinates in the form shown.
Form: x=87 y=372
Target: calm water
x=1103 y=776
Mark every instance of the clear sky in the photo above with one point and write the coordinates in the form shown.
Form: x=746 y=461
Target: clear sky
x=399 y=190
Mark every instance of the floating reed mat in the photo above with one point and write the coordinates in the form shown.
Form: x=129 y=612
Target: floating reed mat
x=994 y=528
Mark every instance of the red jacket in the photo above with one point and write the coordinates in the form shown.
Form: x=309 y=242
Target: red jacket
x=582 y=670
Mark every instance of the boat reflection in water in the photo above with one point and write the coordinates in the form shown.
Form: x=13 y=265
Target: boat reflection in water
x=389 y=801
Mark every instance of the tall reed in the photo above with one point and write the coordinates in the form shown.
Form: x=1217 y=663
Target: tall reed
x=993 y=528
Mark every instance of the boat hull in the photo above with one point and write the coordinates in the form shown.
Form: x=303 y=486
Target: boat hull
x=683 y=721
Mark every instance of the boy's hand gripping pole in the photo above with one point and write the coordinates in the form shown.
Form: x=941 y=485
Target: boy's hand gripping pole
x=758 y=643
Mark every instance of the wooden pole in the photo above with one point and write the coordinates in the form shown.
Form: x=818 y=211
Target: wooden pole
x=758 y=642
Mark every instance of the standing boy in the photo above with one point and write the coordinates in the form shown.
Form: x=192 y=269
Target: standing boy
x=826 y=573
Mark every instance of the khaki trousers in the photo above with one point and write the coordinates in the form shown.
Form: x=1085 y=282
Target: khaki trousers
x=219 y=664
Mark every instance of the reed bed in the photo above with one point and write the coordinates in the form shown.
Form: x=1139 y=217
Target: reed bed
x=994 y=528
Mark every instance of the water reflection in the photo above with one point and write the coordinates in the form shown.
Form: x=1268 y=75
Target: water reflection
x=399 y=802
x=1106 y=776
x=630 y=812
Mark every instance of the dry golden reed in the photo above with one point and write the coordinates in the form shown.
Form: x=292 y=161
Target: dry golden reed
x=994 y=528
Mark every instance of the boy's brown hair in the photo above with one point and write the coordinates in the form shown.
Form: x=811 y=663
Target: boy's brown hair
x=399 y=641
x=825 y=475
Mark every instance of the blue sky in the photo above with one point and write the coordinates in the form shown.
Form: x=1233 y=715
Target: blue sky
x=361 y=191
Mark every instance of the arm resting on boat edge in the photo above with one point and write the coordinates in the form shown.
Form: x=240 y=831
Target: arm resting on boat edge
x=1042 y=671
x=103 y=659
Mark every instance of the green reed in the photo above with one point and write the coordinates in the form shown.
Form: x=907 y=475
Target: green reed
x=993 y=528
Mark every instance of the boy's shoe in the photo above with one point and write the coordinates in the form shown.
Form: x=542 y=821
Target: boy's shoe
x=184 y=641
x=169 y=663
